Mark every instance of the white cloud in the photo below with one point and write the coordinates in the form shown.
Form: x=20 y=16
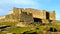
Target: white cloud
x=6 y=5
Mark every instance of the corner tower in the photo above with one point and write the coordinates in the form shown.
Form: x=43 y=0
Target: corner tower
x=52 y=15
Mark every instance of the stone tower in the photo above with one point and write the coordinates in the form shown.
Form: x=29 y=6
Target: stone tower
x=52 y=15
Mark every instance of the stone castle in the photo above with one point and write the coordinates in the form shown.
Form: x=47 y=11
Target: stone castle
x=29 y=15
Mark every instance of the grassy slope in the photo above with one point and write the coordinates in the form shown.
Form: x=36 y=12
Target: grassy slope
x=8 y=23
x=22 y=29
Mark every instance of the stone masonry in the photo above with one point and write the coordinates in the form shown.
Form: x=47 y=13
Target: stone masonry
x=30 y=15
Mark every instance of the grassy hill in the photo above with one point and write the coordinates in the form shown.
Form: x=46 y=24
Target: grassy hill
x=19 y=30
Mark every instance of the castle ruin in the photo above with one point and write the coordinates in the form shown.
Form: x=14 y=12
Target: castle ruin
x=30 y=15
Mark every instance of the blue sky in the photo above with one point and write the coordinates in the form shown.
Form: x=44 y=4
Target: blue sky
x=6 y=5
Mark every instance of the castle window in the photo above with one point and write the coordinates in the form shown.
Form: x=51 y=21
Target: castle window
x=47 y=15
x=25 y=13
x=37 y=20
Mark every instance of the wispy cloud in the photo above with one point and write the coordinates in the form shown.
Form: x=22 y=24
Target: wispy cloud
x=6 y=5
x=21 y=2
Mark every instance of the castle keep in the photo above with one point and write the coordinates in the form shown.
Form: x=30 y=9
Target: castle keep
x=30 y=15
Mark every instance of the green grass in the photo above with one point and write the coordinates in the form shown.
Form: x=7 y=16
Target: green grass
x=37 y=28
x=3 y=32
x=40 y=28
x=8 y=23
x=19 y=29
x=23 y=29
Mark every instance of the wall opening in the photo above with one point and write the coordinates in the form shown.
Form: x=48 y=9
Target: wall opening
x=52 y=29
x=37 y=20
x=47 y=15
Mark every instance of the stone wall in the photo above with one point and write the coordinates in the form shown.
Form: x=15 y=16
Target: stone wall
x=28 y=14
x=10 y=12
x=37 y=13
x=42 y=14
x=52 y=15
x=26 y=17
x=2 y=17
x=17 y=10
